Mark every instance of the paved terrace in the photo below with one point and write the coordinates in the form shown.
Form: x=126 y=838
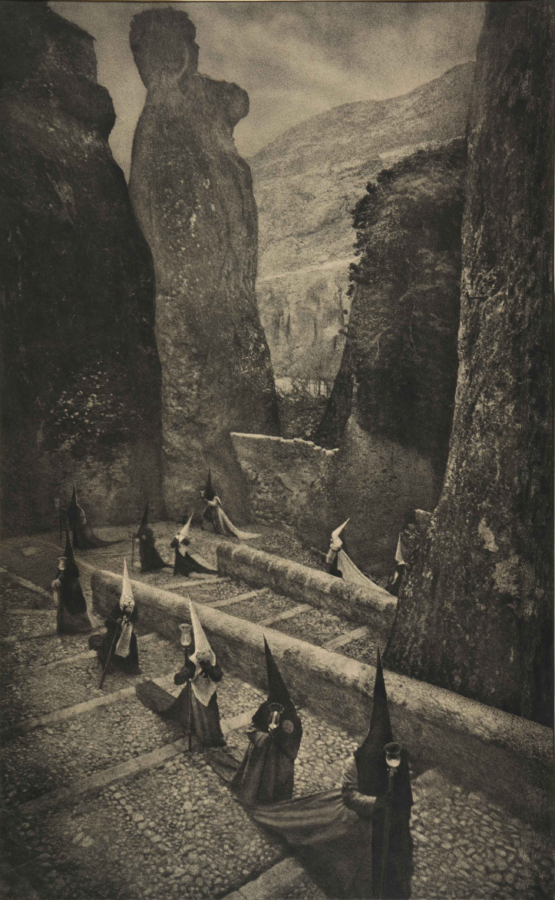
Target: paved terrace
x=102 y=800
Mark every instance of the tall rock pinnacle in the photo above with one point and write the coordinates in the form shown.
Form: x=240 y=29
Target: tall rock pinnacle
x=79 y=372
x=193 y=196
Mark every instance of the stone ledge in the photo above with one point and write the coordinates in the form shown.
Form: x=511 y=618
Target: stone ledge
x=243 y=436
x=507 y=758
x=366 y=606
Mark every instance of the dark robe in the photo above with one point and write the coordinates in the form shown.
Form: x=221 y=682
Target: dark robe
x=394 y=585
x=197 y=719
x=397 y=808
x=72 y=616
x=331 y=832
x=186 y=564
x=221 y=523
x=103 y=643
x=331 y=559
x=83 y=537
x=151 y=561
x=266 y=774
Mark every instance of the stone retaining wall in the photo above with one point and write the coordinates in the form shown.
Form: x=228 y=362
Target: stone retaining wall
x=367 y=606
x=283 y=475
x=481 y=748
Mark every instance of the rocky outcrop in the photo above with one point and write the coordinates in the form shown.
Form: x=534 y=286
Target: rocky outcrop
x=476 y=614
x=391 y=407
x=193 y=196
x=306 y=184
x=79 y=368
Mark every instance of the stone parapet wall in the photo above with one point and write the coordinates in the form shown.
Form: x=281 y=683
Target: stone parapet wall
x=370 y=606
x=283 y=475
x=481 y=748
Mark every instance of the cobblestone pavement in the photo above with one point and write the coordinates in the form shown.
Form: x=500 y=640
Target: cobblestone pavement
x=173 y=829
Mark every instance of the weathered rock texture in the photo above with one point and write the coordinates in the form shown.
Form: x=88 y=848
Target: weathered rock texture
x=306 y=183
x=390 y=411
x=80 y=372
x=193 y=196
x=476 y=614
x=289 y=483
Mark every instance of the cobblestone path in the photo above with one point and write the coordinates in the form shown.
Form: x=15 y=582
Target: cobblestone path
x=101 y=799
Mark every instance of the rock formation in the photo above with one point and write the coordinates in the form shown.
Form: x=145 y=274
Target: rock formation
x=306 y=184
x=476 y=614
x=80 y=373
x=391 y=407
x=193 y=196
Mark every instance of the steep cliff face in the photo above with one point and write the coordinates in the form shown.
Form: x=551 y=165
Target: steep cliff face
x=391 y=407
x=476 y=614
x=306 y=185
x=193 y=196
x=80 y=372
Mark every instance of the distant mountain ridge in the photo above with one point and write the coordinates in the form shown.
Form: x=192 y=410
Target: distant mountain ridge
x=306 y=182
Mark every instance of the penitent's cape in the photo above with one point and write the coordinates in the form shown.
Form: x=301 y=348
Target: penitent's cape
x=151 y=561
x=341 y=850
x=72 y=617
x=83 y=536
x=214 y=512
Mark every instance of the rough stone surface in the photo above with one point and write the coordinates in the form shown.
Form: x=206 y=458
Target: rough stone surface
x=391 y=407
x=193 y=196
x=306 y=183
x=366 y=605
x=481 y=748
x=80 y=377
x=172 y=829
x=476 y=615
x=289 y=483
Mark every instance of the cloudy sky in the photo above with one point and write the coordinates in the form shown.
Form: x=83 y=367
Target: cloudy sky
x=295 y=59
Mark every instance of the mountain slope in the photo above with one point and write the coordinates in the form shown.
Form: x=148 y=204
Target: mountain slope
x=307 y=182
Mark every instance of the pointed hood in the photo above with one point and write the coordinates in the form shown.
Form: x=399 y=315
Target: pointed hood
x=209 y=493
x=183 y=535
x=144 y=520
x=72 y=568
x=399 y=559
x=336 y=541
x=73 y=502
x=202 y=645
x=290 y=730
x=277 y=691
x=126 y=591
x=370 y=756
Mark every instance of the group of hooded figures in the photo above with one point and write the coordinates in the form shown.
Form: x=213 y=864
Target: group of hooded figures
x=355 y=840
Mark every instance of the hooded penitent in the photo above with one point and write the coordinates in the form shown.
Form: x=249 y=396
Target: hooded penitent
x=266 y=774
x=72 y=617
x=120 y=641
x=83 y=536
x=203 y=686
x=196 y=707
x=395 y=584
x=391 y=819
x=341 y=565
x=151 y=561
x=127 y=606
x=185 y=562
x=214 y=513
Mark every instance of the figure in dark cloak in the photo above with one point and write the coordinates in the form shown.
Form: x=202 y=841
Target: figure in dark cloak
x=72 y=616
x=82 y=535
x=266 y=774
x=196 y=707
x=119 y=644
x=185 y=563
x=400 y=568
x=341 y=565
x=151 y=561
x=214 y=514
x=355 y=841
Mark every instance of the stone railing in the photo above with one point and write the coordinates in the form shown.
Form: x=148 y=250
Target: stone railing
x=507 y=758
